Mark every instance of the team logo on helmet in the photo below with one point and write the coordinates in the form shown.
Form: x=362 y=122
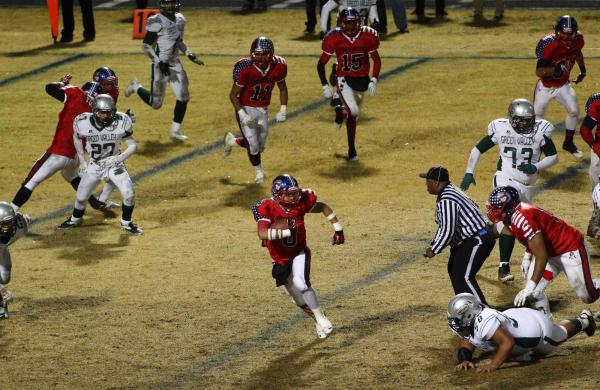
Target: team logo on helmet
x=91 y=89
x=286 y=191
x=501 y=203
x=350 y=21
x=262 y=51
x=522 y=116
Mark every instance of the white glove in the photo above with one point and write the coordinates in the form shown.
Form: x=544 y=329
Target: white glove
x=27 y=219
x=373 y=86
x=245 y=119
x=281 y=115
x=522 y=296
x=131 y=115
x=110 y=161
x=525 y=264
x=82 y=168
x=327 y=94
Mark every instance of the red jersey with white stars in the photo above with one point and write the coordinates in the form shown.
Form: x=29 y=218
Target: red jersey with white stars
x=75 y=103
x=559 y=236
x=592 y=107
x=352 y=53
x=269 y=209
x=554 y=50
x=257 y=84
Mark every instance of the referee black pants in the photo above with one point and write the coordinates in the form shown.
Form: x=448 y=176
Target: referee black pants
x=465 y=261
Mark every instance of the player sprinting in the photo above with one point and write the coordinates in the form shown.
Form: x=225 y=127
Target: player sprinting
x=61 y=155
x=287 y=246
x=555 y=245
x=352 y=44
x=162 y=43
x=13 y=225
x=556 y=54
x=103 y=129
x=366 y=8
x=254 y=78
x=513 y=334
x=521 y=140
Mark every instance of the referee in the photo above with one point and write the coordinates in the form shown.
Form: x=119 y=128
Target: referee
x=463 y=227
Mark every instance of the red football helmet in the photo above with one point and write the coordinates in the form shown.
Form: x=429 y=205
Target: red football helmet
x=286 y=191
x=501 y=203
x=261 y=52
x=350 y=21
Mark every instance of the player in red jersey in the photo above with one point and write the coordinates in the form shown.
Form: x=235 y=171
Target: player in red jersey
x=287 y=246
x=253 y=80
x=556 y=54
x=352 y=44
x=61 y=155
x=555 y=245
x=592 y=111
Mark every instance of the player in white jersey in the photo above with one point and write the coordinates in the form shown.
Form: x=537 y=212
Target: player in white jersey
x=13 y=226
x=521 y=140
x=162 y=43
x=103 y=129
x=366 y=8
x=513 y=334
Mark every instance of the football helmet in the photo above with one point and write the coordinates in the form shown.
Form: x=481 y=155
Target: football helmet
x=521 y=115
x=462 y=310
x=91 y=89
x=169 y=7
x=501 y=203
x=286 y=191
x=8 y=221
x=108 y=79
x=261 y=52
x=104 y=109
x=566 y=28
x=350 y=21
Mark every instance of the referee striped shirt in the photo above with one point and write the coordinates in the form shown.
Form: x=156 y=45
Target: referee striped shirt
x=458 y=218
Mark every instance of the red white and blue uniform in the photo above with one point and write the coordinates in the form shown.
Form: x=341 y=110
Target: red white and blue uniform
x=257 y=84
x=592 y=111
x=565 y=247
x=352 y=52
x=285 y=250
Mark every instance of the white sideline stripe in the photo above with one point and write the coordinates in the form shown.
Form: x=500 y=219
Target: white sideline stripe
x=286 y=3
x=111 y=4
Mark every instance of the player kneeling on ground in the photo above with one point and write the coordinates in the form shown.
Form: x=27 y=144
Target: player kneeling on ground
x=13 y=226
x=281 y=227
x=513 y=334
x=103 y=130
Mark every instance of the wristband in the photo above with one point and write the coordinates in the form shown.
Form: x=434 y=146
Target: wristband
x=337 y=227
x=277 y=234
x=464 y=355
x=331 y=216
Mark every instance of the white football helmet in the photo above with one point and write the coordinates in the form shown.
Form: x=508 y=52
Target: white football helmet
x=521 y=115
x=462 y=310
x=8 y=221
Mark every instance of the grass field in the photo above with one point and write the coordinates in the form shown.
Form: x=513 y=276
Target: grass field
x=191 y=303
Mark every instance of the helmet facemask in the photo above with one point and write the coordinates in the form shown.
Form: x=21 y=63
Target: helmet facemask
x=8 y=221
x=286 y=191
x=104 y=110
x=462 y=311
x=521 y=116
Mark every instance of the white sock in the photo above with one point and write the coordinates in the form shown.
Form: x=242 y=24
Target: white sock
x=73 y=219
x=15 y=207
x=175 y=127
x=258 y=168
x=124 y=222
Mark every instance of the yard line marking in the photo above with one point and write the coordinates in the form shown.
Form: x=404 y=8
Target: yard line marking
x=286 y=4
x=111 y=4
x=41 y=69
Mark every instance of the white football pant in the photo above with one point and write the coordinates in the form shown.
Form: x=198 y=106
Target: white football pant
x=565 y=95
x=352 y=99
x=525 y=192
x=47 y=165
x=95 y=173
x=178 y=80
x=258 y=129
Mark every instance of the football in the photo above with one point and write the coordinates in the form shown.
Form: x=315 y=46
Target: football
x=280 y=223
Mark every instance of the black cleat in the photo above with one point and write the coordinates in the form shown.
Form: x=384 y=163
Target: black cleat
x=570 y=147
x=132 y=228
x=587 y=315
x=68 y=224
x=504 y=274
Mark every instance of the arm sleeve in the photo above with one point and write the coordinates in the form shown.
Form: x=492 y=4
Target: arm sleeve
x=376 y=63
x=473 y=160
x=182 y=46
x=56 y=91
x=77 y=142
x=149 y=50
x=551 y=157
x=131 y=147
x=447 y=214
x=586 y=130
x=325 y=11
x=321 y=72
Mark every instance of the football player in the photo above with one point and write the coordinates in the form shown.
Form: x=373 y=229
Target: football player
x=162 y=43
x=253 y=80
x=103 y=129
x=513 y=334
x=287 y=245
x=556 y=54
x=61 y=155
x=592 y=111
x=366 y=8
x=521 y=140
x=352 y=44
x=13 y=226
x=555 y=245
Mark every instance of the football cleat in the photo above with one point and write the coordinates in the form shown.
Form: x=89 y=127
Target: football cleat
x=68 y=224
x=587 y=315
x=178 y=135
x=320 y=333
x=504 y=274
x=132 y=87
x=132 y=228
x=228 y=144
x=324 y=328
x=3 y=313
x=260 y=176
x=570 y=147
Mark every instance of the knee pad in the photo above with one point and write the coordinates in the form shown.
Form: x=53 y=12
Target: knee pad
x=4 y=276
x=253 y=146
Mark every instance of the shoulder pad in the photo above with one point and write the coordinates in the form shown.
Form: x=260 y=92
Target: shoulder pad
x=591 y=100
x=279 y=60
x=240 y=65
x=179 y=15
x=369 y=30
x=153 y=23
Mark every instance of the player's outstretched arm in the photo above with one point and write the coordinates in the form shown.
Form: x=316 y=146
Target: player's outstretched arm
x=505 y=343
x=464 y=356
x=338 y=236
